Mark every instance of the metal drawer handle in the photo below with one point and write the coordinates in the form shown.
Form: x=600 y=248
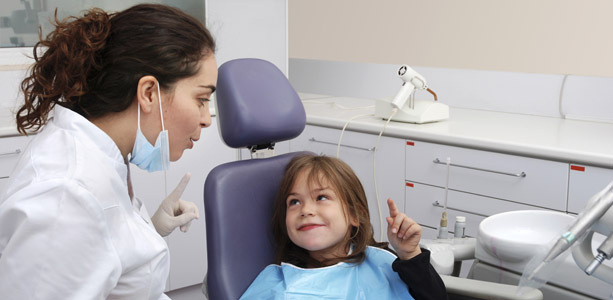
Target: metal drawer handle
x=4 y=177
x=436 y=204
x=522 y=174
x=11 y=153
x=342 y=145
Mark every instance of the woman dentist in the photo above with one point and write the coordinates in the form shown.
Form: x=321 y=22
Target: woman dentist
x=108 y=89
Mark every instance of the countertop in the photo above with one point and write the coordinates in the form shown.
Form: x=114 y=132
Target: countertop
x=580 y=142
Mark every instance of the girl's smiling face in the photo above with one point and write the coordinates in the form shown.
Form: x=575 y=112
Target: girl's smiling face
x=316 y=218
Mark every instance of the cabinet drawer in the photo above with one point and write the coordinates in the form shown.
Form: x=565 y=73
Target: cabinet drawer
x=585 y=181
x=323 y=140
x=519 y=179
x=10 y=151
x=423 y=204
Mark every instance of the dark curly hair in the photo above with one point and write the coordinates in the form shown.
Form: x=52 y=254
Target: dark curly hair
x=92 y=64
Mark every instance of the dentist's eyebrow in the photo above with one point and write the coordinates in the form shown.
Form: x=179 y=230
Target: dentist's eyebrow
x=210 y=86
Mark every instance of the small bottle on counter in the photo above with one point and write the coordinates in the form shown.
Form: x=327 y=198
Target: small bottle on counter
x=460 y=227
x=442 y=230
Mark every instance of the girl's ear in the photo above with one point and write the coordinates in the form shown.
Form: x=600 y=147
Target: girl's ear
x=354 y=221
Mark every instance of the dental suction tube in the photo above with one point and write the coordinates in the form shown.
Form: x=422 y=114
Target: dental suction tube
x=605 y=251
x=598 y=207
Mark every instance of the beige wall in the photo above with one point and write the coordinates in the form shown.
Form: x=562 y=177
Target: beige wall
x=535 y=36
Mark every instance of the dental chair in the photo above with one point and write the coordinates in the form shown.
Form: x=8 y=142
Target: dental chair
x=256 y=108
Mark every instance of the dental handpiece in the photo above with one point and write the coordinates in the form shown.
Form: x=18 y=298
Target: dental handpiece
x=604 y=200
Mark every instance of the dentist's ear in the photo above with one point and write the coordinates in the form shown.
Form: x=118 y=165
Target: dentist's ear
x=147 y=93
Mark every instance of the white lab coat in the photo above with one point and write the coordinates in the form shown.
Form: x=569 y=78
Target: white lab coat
x=68 y=229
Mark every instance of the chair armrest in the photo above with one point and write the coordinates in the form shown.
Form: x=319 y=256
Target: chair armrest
x=488 y=290
x=445 y=252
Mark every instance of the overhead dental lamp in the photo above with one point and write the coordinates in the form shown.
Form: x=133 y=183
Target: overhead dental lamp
x=409 y=109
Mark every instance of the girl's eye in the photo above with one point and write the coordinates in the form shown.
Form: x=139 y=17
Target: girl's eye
x=322 y=197
x=293 y=202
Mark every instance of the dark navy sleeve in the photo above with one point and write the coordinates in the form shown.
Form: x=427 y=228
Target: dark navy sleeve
x=422 y=279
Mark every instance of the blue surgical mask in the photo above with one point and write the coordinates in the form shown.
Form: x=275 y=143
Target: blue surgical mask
x=146 y=156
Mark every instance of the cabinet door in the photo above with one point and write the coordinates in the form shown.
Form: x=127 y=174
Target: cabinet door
x=187 y=250
x=357 y=150
x=584 y=182
x=543 y=183
x=424 y=203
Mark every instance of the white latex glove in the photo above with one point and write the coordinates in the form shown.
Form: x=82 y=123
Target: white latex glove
x=175 y=212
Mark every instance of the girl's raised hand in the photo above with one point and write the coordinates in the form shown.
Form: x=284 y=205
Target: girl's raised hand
x=403 y=233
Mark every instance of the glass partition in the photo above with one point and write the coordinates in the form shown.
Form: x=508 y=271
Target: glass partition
x=20 y=20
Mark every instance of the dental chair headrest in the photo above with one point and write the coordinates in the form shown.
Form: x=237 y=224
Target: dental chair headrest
x=256 y=105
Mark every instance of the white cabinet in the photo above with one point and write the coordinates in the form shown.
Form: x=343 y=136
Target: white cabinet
x=584 y=182
x=357 y=150
x=187 y=250
x=11 y=149
x=424 y=203
x=519 y=179
x=481 y=184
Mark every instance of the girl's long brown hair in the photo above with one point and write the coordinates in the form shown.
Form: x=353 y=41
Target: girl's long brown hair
x=92 y=64
x=347 y=186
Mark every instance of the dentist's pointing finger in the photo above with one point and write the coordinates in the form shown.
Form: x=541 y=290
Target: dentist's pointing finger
x=178 y=191
x=174 y=212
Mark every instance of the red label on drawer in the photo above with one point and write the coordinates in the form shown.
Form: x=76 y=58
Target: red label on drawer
x=577 y=168
x=409 y=143
x=409 y=184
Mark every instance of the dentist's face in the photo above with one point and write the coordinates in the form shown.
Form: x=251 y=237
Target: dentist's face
x=187 y=112
x=316 y=219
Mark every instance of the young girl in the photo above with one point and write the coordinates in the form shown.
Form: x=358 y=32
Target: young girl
x=326 y=247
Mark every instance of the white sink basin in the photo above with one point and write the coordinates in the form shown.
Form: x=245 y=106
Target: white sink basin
x=517 y=236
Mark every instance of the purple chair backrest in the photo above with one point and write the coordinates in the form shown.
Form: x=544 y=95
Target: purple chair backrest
x=256 y=105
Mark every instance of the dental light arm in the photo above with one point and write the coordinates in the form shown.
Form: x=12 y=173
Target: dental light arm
x=411 y=81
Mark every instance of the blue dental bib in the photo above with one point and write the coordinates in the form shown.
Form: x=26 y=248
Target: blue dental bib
x=372 y=279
